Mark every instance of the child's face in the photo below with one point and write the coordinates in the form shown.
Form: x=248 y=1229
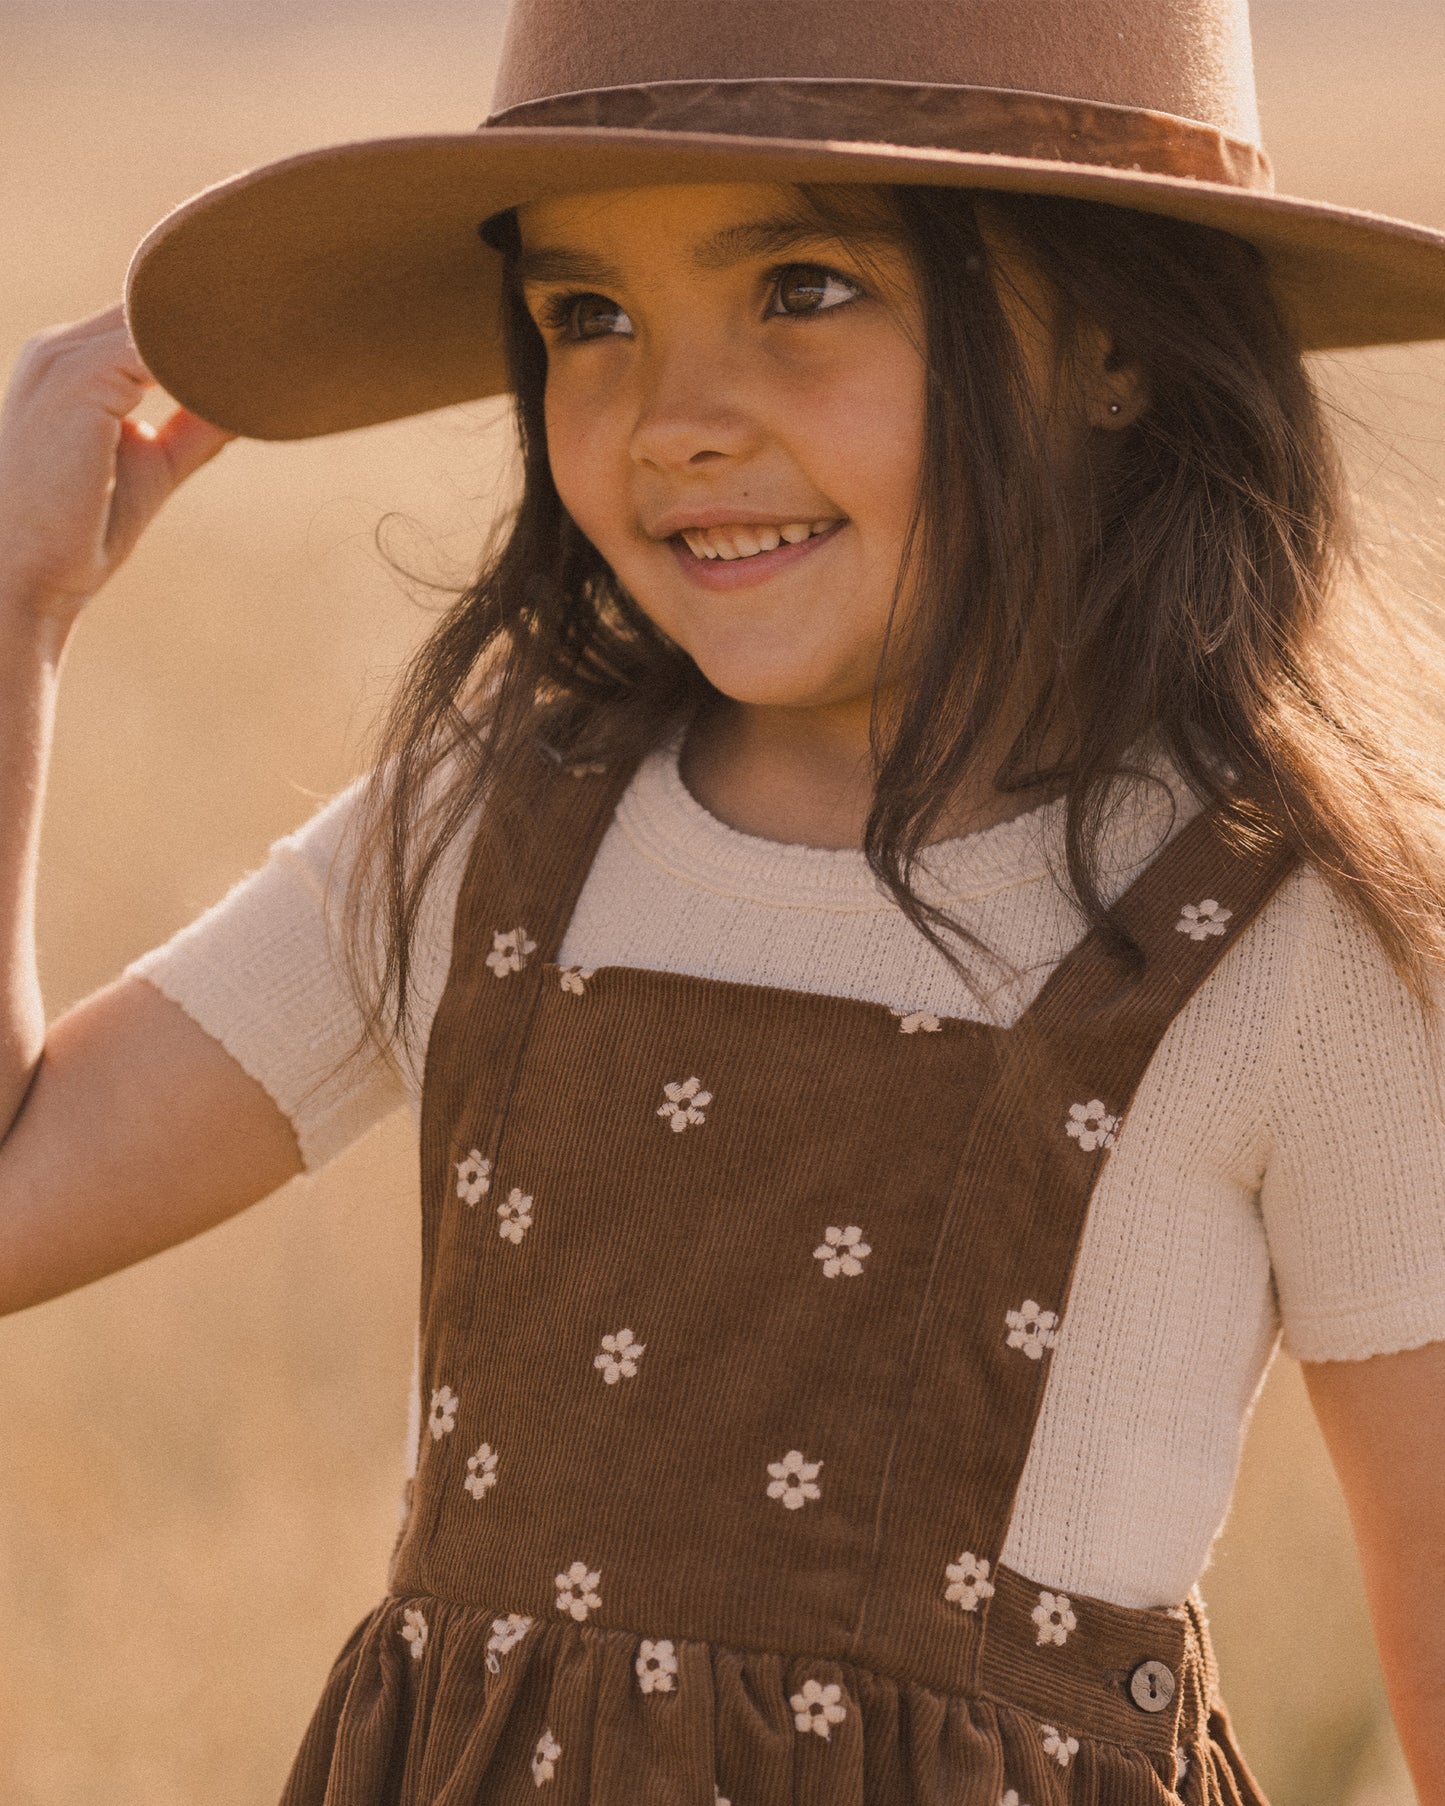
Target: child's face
x=721 y=376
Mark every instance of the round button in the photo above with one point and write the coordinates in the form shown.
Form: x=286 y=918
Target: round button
x=1151 y=1687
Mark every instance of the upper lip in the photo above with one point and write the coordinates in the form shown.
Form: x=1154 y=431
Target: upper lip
x=686 y=520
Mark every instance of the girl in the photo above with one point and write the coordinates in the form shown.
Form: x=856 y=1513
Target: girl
x=915 y=947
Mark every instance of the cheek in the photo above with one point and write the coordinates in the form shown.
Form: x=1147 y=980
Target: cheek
x=583 y=450
x=867 y=434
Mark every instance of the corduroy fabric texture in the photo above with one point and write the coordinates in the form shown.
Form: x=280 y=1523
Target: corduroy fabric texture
x=737 y=1305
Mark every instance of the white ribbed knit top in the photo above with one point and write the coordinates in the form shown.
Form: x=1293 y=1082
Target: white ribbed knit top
x=1282 y=1163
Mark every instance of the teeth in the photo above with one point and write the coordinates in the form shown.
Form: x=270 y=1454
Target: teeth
x=746 y=542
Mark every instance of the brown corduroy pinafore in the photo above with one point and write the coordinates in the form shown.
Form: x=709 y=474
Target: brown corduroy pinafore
x=737 y=1308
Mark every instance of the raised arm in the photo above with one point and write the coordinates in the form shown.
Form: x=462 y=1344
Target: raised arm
x=124 y=1128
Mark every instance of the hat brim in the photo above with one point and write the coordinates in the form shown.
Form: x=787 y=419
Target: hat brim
x=348 y=286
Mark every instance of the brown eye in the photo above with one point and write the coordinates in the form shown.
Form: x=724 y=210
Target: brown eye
x=594 y=316
x=809 y=288
x=585 y=317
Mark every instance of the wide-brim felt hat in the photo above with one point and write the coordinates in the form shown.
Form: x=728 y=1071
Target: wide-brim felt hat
x=351 y=285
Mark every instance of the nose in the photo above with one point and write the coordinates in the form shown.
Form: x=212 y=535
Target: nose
x=691 y=412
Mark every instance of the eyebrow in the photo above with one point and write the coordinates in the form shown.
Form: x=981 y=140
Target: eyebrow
x=732 y=245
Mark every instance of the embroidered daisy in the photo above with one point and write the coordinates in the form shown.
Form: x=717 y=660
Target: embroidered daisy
x=506 y=1632
x=481 y=1470
x=574 y=979
x=1091 y=1126
x=794 y=1479
x=1032 y=1329
x=442 y=1417
x=842 y=1251
x=544 y=1757
x=474 y=1177
x=509 y=951
x=656 y=1665
x=516 y=1215
x=1062 y=1749
x=818 y=1707
x=1200 y=920
x=912 y=1022
x=685 y=1104
x=576 y=1590
x=414 y=1630
x=968 y=1582
x=618 y=1360
x=1055 y=1618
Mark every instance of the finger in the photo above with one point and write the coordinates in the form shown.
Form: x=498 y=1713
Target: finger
x=101 y=337
x=187 y=442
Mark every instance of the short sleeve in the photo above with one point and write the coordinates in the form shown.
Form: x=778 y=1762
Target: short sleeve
x=262 y=972
x=1353 y=1194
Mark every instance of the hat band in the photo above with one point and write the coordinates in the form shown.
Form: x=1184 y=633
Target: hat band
x=989 y=121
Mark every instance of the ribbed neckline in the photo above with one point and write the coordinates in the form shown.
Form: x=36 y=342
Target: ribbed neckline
x=669 y=827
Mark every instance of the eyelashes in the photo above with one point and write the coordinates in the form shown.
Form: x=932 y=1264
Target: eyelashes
x=569 y=314
x=795 y=291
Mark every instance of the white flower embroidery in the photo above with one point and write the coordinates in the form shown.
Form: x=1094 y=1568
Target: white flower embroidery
x=818 y=1707
x=1055 y=1618
x=685 y=1104
x=544 y=1757
x=842 y=1251
x=574 y=979
x=509 y=951
x=1011 y=1798
x=717 y=1799
x=1061 y=1748
x=656 y=1665
x=505 y=1633
x=1200 y=920
x=1032 y=1329
x=911 y=1021
x=474 y=1177
x=1091 y=1126
x=968 y=1582
x=481 y=1470
x=576 y=1590
x=589 y=769
x=794 y=1479
x=516 y=1215
x=618 y=1359
x=442 y=1418
x=414 y=1630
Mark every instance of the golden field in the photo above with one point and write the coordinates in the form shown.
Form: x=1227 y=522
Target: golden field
x=203 y=1455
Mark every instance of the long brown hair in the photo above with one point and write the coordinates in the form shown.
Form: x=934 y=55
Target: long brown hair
x=1197 y=602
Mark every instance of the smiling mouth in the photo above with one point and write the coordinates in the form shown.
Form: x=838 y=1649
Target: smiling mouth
x=748 y=542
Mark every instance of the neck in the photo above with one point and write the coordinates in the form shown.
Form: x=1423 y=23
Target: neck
x=805 y=776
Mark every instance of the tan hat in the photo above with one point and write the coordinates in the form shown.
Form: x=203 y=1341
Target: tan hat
x=349 y=285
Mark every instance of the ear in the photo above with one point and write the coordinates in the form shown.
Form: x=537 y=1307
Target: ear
x=1112 y=390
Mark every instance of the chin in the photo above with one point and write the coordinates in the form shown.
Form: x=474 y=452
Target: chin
x=772 y=689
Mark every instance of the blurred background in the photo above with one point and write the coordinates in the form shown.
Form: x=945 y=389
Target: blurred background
x=203 y=1456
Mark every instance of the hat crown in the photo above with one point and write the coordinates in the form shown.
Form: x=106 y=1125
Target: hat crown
x=1191 y=58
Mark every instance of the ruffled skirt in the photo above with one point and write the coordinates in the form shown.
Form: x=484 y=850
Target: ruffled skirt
x=433 y=1703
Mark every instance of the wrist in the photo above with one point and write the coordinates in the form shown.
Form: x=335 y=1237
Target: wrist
x=33 y=619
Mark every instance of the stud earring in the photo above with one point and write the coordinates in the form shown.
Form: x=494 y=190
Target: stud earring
x=1116 y=407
